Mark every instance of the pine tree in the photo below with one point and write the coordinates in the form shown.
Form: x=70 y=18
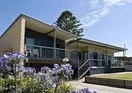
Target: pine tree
x=68 y=22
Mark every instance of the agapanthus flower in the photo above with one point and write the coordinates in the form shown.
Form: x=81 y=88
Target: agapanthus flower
x=29 y=71
x=55 y=80
x=45 y=79
x=67 y=70
x=12 y=64
x=20 y=68
x=84 y=90
x=56 y=66
x=18 y=56
x=4 y=60
x=45 y=69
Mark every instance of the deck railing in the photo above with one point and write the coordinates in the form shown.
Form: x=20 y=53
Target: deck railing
x=47 y=52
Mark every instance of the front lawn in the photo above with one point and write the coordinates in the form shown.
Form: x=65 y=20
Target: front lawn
x=120 y=76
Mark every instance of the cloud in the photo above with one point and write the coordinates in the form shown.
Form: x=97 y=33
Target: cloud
x=93 y=17
x=120 y=4
x=94 y=3
x=100 y=10
x=111 y=2
x=81 y=4
x=90 y=19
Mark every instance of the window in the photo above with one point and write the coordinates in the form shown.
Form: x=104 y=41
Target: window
x=38 y=42
x=74 y=55
x=49 y=43
x=30 y=41
x=103 y=60
x=91 y=55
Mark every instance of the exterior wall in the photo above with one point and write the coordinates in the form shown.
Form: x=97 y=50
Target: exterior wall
x=91 y=48
x=74 y=60
x=88 y=49
x=13 y=39
x=101 y=50
x=73 y=48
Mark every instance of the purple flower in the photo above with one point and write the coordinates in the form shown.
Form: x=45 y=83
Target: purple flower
x=85 y=90
x=17 y=56
x=44 y=76
x=67 y=70
x=56 y=66
x=10 y=64
x=45 y=69
x=20 y=68
x=45 y=79
x=1 y=63
x=56 y=80
x=4 y=60
x=29 y=71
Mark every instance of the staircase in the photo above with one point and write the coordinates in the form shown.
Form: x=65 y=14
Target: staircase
x=83 y=69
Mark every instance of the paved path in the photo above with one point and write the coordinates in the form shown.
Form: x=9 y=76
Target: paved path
x=99 y=88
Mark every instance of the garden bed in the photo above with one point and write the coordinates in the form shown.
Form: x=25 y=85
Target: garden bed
x=114 y=80
x=16 y=78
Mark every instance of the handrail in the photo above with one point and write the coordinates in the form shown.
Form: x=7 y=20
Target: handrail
x=83 y=64
x=48 y=47
x=90 y=60
x=58 y=50
x=87 y=68
x=83 y=73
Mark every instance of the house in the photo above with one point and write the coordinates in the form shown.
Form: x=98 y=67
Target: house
x=47 y=45
x=122 y=60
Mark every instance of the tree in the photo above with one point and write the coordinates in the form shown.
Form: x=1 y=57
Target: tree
x=68 y=22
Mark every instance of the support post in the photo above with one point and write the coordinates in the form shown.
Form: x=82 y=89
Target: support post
x=78 y=58
x=106 y=57
x=66 y=50
x=123 y=57
x=40 y=52
x=55 y=44
x=124 y=54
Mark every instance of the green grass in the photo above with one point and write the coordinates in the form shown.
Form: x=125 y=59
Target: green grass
x=120 y=76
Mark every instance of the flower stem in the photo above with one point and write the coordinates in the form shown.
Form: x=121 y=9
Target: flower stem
x=15 y=79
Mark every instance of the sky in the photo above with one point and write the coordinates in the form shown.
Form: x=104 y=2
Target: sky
x=108 y=21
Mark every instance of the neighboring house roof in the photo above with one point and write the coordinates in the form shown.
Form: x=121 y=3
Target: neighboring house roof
x=31 y=22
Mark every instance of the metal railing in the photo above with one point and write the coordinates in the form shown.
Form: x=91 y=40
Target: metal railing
x=47 y=52
x=121 y=63
x=85 y=67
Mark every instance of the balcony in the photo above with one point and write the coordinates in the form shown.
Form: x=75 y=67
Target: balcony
x=43 y=52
